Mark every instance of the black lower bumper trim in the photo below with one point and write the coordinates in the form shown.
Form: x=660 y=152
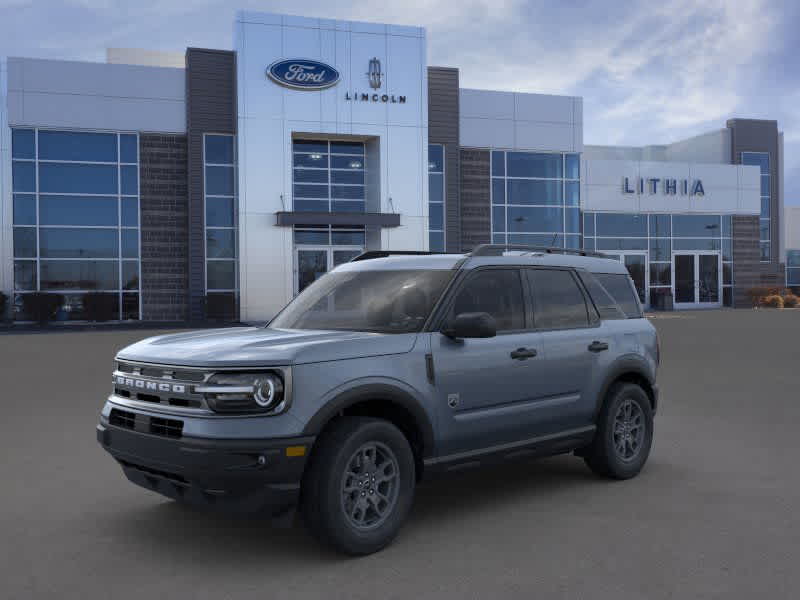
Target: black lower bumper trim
x=242 y=476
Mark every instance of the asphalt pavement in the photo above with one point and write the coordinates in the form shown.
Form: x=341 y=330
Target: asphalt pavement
x=713 y=515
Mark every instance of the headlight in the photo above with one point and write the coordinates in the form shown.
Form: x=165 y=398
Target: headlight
x=244 y=392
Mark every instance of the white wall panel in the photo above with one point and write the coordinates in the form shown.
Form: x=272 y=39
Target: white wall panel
x=486 y=133
x=540 y=135
x=486 y=104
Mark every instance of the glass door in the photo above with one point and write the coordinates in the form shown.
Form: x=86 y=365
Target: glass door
x=311 y=263
x=696 y=279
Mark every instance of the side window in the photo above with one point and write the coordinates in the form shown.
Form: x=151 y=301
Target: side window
x=606 y=305
x=558 y=302
x=497 y=292
x=621 y=288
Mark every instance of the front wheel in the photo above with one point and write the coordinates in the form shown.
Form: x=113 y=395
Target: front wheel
x=359 y=485
x=624 y=433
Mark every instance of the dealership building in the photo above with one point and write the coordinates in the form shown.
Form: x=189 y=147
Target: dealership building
x=218 y=184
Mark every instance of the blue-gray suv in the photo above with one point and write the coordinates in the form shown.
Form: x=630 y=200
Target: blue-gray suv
x=391 y=368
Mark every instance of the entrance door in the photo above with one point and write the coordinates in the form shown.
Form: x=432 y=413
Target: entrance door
x=636 y=263
x=697 y=279
x=311 y=263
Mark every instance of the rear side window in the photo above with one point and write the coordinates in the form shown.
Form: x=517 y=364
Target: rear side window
x=621 y=289
x=606 y=305
x=558 y=302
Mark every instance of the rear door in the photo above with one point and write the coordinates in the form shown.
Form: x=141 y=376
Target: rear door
x=486 y=390
x=574 y=341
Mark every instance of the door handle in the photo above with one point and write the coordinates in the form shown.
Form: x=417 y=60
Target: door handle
x=596 y=346
x=523 y=353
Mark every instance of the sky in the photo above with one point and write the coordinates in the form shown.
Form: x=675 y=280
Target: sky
x=650 y=72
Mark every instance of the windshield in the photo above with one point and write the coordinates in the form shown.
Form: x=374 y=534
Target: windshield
x=379 y=301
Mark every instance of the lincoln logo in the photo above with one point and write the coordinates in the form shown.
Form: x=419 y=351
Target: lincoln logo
x=153 y=386
x=301 y=74
x=374 y=74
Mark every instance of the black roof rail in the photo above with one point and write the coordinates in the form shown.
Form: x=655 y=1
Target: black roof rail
x=370 y=254
x=498 y=249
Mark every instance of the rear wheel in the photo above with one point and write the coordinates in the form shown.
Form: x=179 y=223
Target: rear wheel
x=359 y=485
x=624 y=433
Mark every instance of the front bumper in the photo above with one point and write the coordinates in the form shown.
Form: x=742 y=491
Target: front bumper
x=242 y=476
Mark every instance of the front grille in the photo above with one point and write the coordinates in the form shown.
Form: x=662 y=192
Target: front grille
x=160 y=385
x=122 y=418
x=167 y=427
x=171 y=428
x=156 y=472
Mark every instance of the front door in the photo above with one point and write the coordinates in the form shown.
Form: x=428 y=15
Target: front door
x=311 y=263
x=697 y=279
x=636 y=263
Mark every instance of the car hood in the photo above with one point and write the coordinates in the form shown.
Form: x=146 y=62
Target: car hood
x=258 y=346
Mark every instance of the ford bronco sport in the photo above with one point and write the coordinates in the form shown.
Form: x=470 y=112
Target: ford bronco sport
x=392 y=367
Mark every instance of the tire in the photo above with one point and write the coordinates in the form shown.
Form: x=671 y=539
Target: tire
x=622 y=455
x=338 y=509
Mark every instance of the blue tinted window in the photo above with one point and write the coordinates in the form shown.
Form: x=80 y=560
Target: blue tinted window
x=436 y=216
x=220 y=243
x=80 y=146
x=311 y=205
x=766 y=251
x=498 y=163
x=339 y=162
x=522 y=191
x=765 y=208
x=25 y=275
x=130 y=275
x=347 y=148
x=436 y=188
x=529 y=164
x=219 y=181
x=621 y=244
x=310 y=191
x=573 y=166
x=588 y=224
x=759 y=159
x=310 y=146
x=128 y=149
x=130 y=212
x=77 y=210
x=572 y=218
x=25 y=242
x=23 y=143
x=793 y=258
x=348 y=206
x=624 y=225
x=24 y=209
x=498 y=191
x=129 y=183
x=435 y=158
x=498 y=238
x=356 y=177
x=526 y=219
x=312 y=175
x=538 y=239
x=312 y=237
x=77 y=179
x=219 y=212
x=80 y=275
x=348 y=238
x=573 y=242
x=436 y=241
x=727 y=249
x=660 y=249
x=764 y=229
x=572 y=189
x=695 y=244
x=349 y=192
x=130 y=243
x=765 y=185
x=696 y=225
x=220 y=274
x=219 y=149
x=498 y=218
x=320 y=161
x=23 y=176
x=78 y=243
x=726 y=225
x=660 y=226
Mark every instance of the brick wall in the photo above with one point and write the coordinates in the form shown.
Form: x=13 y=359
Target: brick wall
x=748 y=271
x=476 y=215
x=165 y=231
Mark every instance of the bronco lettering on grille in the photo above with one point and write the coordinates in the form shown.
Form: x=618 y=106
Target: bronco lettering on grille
x=176 y=388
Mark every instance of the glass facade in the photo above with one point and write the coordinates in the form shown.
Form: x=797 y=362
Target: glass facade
x=536 y=198
x=76 y=219
x=219 y=159
x=328 y=176
x=436 y=197
x=658 y=236
x=761 y=160
x=793 y=268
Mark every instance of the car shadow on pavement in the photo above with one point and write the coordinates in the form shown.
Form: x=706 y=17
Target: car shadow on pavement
x=184 y=533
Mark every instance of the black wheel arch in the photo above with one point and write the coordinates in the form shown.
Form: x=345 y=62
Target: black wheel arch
x=629 y=369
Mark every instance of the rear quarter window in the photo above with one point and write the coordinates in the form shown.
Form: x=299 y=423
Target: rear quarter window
x=606 y=305
x=620 y=287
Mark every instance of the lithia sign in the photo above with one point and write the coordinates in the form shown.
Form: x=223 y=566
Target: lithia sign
x=306 y=74
x=667 y=186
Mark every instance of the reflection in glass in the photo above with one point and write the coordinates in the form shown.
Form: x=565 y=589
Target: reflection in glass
x=25 y=242
x=77 y=146
x=221 y=274
x=24 y=209
x=80 y=275
x=56 y=242
x=77 y=210
x=66 y=178
x=220 y=243
x=25 y=275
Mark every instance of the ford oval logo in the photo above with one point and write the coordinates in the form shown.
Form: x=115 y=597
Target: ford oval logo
x=303 y=74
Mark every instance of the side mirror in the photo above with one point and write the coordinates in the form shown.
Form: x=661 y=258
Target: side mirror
x=471 y=325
